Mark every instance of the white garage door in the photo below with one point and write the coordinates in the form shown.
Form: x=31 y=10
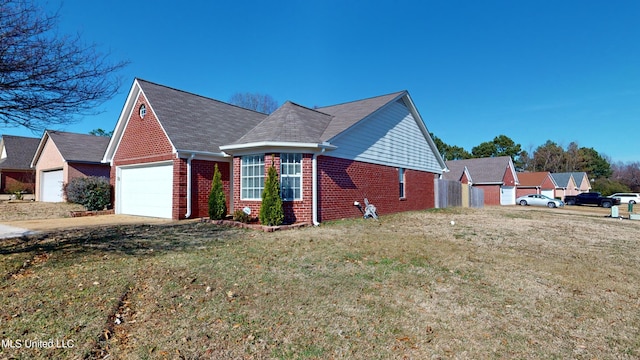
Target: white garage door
x=508 y=195
x=548 y=193
x=51 y=186
x=146 y=191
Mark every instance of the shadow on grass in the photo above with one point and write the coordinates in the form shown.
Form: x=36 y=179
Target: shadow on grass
x=138 y=240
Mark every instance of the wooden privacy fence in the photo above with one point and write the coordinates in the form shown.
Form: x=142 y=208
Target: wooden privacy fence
x=450 y=193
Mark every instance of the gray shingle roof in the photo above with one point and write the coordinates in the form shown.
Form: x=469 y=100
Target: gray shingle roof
x=194 y=122
x=79 y=147
x=289 y=123
x=561 y=179
x=348 y=114
x=482 y=170
x=20 y=151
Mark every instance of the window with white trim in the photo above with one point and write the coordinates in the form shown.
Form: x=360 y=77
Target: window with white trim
x=252 y=177
x=401 y=182
x=291 y=176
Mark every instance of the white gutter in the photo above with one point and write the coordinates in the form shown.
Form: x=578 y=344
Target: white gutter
x=188 y=214
x=314 y=190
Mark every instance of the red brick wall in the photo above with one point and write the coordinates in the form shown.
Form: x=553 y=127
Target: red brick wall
x=341 y=182
x=508 y=178
x=83 y=170
x=295 y=211
x=491 y=194
x=201 y=178
x=143 y=139
x=521 y=191
x=11 y=180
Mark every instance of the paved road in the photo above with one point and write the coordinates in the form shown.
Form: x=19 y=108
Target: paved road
x=7 y=232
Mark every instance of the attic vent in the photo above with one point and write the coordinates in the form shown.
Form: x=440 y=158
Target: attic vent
x=143 y=111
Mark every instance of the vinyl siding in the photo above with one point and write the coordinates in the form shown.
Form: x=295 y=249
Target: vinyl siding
x=390 y=137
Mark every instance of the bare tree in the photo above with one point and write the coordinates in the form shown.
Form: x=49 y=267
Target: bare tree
x=255 y=101
x=47 y=79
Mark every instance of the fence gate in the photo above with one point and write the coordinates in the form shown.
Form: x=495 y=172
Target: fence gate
x=450 y=193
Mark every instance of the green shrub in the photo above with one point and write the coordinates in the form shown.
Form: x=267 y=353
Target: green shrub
x=241 y=216
x=93 y=192
x=217 y=199
x=271 y=212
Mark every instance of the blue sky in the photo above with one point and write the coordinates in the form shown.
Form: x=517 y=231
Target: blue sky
x=532 y=70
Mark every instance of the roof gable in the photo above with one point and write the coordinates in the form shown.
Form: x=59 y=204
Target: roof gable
x=491 y=170
x=17 y=152
x=348 y=114
x=563 y=180
x=289 y=123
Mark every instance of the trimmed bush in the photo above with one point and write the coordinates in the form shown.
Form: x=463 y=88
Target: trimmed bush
x=217 y=199
x=271 y=212
x=93 y=192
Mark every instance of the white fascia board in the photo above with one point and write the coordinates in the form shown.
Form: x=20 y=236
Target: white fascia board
x=423 y=127
x=202 y=155
x=39 y=150
x=275 y=146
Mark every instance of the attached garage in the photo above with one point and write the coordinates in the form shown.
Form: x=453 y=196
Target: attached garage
x=51 y=186
x=145 y=190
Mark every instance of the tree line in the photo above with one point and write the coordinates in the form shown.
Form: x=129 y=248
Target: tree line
x=606 y=176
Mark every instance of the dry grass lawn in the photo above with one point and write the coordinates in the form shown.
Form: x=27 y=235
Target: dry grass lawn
x=31 y=210
x=508 y=282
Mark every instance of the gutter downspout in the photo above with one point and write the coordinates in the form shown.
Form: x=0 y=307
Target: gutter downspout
x=188 y=214
x=314 y=189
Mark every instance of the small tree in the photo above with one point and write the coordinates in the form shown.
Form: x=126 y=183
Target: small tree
x=217 y=199
x=271 y=212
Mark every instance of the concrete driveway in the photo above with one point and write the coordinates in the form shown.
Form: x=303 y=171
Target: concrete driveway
x=7 y=232
x=12 y=229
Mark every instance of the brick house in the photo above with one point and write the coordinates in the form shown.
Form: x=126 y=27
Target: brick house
x=167 y=142
x=495 y=175
x=539 y=182
x=16 y=173
x=62 y=156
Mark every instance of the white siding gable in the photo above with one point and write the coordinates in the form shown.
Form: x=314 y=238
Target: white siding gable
x=389 y=137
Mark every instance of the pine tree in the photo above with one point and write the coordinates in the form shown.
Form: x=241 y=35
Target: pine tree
x=217 y=199
x=271 y=212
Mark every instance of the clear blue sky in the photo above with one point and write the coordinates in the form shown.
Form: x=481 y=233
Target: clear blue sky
x=532 y=70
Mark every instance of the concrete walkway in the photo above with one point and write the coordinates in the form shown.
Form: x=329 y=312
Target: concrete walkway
x=7 y=232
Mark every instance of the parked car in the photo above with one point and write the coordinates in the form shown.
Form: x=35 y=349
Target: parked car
x=627 y=198
x=591 y=198
x=539 y=200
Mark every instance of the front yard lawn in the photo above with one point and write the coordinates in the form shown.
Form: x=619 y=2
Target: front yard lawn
x=502 y=282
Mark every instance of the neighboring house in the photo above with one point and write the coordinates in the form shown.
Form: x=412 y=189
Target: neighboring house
x=16 y=173
x=62 y=156
x=565 y=185
x=583 y=184
x=495 y=175
x=536 y=183
x=326 y=158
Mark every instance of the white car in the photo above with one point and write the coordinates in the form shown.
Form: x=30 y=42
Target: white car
x=539 y=200
x=627 y=198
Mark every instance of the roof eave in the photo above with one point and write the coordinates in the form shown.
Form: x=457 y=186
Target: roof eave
x=273 y=145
